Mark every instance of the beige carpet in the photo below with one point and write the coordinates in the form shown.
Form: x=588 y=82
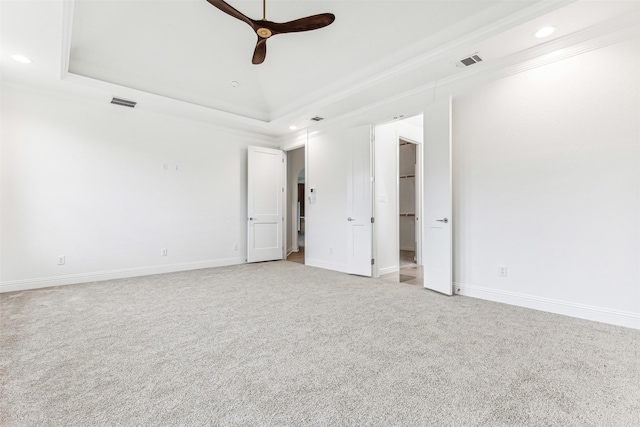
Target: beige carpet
x=282 y=344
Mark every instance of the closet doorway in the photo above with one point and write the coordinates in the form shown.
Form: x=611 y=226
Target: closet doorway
x=408 y=207
x=398 y=200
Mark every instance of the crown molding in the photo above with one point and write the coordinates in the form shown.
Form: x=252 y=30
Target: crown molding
x=415 y=99
x=590 y=39
x=151 y=101
x=577 y=43
x=364 y=81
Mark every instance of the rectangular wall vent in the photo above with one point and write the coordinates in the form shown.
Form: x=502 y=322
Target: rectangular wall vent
x=123 y=102
x=317 y=118
x=472 y=59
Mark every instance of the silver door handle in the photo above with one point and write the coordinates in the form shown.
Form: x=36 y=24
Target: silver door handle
x=445 y=220
x=351 y=219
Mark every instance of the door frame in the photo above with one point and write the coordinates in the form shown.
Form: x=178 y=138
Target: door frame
x=419 y=193
x=300 y=143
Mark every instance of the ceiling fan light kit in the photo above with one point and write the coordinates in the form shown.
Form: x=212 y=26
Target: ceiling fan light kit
x=265 y=29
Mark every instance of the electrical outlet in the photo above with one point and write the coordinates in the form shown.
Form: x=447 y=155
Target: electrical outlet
x=330 y=251
x=165 y=252
x=502 y=270
x=235 y=246
x=61 y=260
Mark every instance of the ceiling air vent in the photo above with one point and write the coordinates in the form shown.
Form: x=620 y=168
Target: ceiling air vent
x=123 y=102
x=317 y=118
x=472 y=59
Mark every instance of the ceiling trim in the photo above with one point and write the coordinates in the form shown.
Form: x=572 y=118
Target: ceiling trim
x=153 y=101
x=340 y=91
x=413 y=100
x=598 y=36
x=363 y=83
x=572 y=44
x=59 y=92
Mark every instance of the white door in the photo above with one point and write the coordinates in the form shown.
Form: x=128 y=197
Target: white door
x=265 y=195
x=359 y=201
x=437 y=240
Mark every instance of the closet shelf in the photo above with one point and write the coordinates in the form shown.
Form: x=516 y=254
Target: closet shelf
x=407 y=214
x=408 y=176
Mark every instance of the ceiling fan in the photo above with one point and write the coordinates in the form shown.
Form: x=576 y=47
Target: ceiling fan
x=265 y=29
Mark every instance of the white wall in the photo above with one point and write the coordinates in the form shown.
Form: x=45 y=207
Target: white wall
x=326 y=229
x=86 y=181
x=295 y=163
x=547 y=182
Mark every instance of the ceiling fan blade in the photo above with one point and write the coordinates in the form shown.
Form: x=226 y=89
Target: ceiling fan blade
x=260 y=53
x=223 y=6
x=303 y=24
x=265 y=29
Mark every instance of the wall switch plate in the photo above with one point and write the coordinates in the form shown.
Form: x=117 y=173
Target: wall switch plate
x=164 y=252
x=235 y=247
x=502 y=270
x=61 y=260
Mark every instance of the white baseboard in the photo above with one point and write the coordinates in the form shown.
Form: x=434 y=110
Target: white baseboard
x=582 y=311
x=71 y=279
x=310 y=262
x=388 y=270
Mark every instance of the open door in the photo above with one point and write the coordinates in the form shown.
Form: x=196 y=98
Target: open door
x=265 y=195
x=359 y=202
x=438 y=272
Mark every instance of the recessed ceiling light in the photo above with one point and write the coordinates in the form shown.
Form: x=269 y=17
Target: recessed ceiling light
x=545 y=31
x=293 y=127
x=21 y=58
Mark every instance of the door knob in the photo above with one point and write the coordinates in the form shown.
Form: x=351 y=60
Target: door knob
x=445 y=220
x=351 y=219
x=251 y=218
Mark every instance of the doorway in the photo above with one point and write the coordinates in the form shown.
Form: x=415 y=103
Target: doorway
x=408 y=207
x=398 y=200
x=296 y=205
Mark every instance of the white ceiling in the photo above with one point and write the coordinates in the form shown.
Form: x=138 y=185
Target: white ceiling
x=173 y=55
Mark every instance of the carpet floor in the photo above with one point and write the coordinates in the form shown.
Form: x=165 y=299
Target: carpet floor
x=283 y=344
